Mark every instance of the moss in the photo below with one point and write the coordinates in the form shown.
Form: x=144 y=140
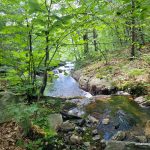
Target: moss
x=136 y=72
x=68 y=105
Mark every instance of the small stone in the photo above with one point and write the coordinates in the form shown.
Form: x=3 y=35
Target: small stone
x=87 y=144
x=75 y=139
x=141 y=139
x=79 y=130
x=140 y=99
x=119 y=136
x=81 y=122
x=67 y=126
x=95 y=132
x=92 y=119
x=96 y=138
x=105 y=121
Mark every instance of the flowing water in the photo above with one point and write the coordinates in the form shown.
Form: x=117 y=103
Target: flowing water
x=122 y=111
x=64 y=85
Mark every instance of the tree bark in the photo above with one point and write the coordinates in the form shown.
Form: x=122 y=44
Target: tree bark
x=133 y=33
x=86 y=46
x=44 y=83
x=95 y=40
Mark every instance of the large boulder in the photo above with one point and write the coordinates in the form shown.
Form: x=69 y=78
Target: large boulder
x=9 y=97
x=91 y=83
x=55 y=121
x=67 y=126
x=99 y=86
x=77 y=74
x=142 y=101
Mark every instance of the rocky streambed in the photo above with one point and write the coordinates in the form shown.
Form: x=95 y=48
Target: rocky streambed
x=103 y=121
x=99 y=122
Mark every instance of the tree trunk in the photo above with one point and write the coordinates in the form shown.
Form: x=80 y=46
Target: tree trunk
x=95 y=40
x=44 y=83
x=86 y=46
x=133 y=33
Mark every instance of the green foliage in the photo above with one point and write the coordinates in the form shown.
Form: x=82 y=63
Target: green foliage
x=22 y=113
x=135 y=72
x=34 y=114
x=88 y=59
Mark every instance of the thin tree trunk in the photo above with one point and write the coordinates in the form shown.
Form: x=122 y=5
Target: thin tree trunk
x=44 y=83
x=95 y=40
x=86 y=46
x=133 y=34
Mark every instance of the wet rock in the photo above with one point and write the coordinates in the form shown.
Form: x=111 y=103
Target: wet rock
x=141 y=139
x=147 y=129
x=75 y=139
x=81 y=122
x=105 y=121
x=67 y=126
x=55 y=121
x=79 y=130
x=119 y=136
x=70 y=115
x=96 y=138
x=92 y=119
x=76 y=112
x=119 y=145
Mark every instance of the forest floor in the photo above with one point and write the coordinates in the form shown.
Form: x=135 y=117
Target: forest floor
x=118 y=73
x=10 y=132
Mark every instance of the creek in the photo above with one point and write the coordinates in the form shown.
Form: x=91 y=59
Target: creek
x=122 y=112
